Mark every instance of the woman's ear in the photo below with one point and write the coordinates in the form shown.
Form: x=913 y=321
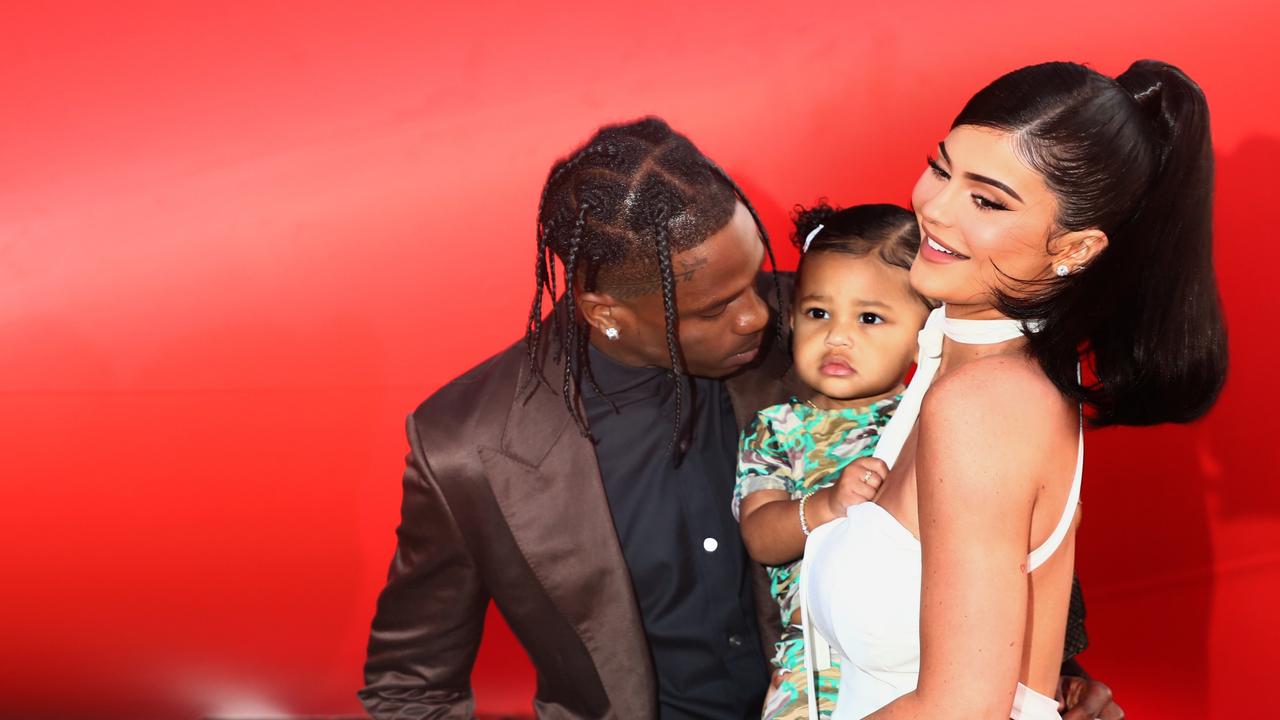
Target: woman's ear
x=1075 y=250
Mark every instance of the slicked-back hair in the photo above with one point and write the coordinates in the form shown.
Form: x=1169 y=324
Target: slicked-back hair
x=1130 y=156
x=890 y=231
x=613 y=213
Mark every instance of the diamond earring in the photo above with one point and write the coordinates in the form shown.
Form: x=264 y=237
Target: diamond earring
x=611 y=333
x=1063 y=271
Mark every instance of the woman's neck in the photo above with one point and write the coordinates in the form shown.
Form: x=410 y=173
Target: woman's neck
x=957 y=354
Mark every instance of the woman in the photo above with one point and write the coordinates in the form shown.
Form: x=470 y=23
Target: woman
x=1066 y=212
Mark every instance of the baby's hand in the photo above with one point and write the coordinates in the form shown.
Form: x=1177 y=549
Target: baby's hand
x=858 y=483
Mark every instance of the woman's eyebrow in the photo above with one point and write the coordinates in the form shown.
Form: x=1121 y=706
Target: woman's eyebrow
x=942 y=147
x=994 y=183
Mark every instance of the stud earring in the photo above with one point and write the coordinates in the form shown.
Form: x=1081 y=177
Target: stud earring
x=1063 y=271
x=611 y=333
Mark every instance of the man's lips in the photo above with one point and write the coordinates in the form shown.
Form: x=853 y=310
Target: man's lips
x=836 y=367
x=745 y=356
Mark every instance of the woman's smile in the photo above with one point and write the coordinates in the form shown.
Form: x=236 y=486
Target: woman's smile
x=934 y=250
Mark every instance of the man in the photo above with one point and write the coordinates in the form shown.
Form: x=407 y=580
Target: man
x=582 y=479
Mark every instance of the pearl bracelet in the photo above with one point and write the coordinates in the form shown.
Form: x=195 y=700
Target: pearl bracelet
x=804 y=525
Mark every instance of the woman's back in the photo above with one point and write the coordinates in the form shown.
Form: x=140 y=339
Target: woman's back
x=1034 y=432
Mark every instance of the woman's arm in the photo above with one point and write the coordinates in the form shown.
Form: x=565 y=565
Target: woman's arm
x=981 y=438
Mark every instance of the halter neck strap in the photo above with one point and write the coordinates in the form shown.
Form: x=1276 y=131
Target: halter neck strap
x=984 y=332
x=969 y=332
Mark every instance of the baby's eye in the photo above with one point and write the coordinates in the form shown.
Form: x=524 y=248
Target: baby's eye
x=870 y=319
x=817 y=313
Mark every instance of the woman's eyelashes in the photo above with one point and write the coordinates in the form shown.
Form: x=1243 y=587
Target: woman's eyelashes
x=986 y=203
x=937 y=170
x=980 y=201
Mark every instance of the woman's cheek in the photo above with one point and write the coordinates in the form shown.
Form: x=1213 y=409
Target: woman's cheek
x=922 y=192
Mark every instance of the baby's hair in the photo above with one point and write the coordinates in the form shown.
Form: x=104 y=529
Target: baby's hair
x=889 y=230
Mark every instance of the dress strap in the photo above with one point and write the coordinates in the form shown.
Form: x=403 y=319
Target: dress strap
x=1046 y=550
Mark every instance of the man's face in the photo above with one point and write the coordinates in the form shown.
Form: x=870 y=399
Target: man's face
x=720 y=317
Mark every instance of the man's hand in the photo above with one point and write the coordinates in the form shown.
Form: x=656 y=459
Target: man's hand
x=1086 y=699
x=858 y=483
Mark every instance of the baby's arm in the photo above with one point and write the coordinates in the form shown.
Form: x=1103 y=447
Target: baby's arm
x=770 y=519
x=762 y=501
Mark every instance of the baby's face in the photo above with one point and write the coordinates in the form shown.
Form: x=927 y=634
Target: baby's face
x=854 y=327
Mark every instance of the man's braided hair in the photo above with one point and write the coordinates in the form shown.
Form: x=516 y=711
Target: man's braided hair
x=614 y=212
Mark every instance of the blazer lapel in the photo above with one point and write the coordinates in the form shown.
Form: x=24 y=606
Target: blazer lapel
x=546 y=480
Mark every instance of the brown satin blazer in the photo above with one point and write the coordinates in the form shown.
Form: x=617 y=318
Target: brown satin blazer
x=503 y=500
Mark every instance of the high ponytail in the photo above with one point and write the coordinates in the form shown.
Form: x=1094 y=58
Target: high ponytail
x=1133 y=158
x=1174 y=362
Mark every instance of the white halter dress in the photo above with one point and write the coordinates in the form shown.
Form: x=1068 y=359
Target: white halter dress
x=860 y=582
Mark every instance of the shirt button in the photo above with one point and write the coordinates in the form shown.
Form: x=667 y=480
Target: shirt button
x=735 y=641
x=710 y=544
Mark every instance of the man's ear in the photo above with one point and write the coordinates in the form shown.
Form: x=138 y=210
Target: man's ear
x=601 y=310
x=1076 y=249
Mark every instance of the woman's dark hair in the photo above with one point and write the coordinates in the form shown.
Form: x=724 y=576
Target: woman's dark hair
x=889 y=230
x=1131 y=157
x=613 y=213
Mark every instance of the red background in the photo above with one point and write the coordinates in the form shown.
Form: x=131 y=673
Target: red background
x=239 y=242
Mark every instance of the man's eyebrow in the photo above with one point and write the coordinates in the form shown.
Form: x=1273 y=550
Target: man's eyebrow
x=942 y=147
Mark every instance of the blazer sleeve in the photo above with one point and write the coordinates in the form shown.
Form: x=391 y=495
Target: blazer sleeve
x=430 y=615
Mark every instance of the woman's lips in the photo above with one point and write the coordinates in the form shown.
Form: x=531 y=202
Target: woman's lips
x=835 y=367
x=936 y=251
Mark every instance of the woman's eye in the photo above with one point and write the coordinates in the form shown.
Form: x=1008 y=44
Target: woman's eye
x=984 y=203
x=715 y=314
x=870 y=319
x=936 y=169
x=816 y=313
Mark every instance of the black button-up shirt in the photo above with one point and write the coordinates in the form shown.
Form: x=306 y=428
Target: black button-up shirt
x=679 y=538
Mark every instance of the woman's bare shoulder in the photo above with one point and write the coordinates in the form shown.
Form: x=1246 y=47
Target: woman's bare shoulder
x=989 y=401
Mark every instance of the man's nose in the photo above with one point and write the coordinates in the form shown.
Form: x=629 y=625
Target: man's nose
x=754 y=316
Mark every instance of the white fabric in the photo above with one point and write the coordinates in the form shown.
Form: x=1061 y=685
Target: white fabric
x=860 y=581
x=1031 y=705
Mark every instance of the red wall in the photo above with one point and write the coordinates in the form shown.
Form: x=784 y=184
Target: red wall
x=239 y=242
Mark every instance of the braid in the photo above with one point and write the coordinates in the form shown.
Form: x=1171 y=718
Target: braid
x=545 y=272
x=778 y=326
x=673 y=344
x=555 y=316
x=533 y=333
x=574 y=335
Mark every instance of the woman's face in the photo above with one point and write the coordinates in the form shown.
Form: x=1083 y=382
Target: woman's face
x=985 y=218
